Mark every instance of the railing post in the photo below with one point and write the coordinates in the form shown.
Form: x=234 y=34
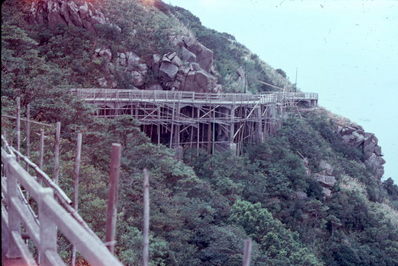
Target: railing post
x=28 y=130
x=41 y=149
x=113 y=196
x=14 y=222
x=56 y=151
x=76 y=185
x=18 y=124
x=247 y=252
x=145 y=250
x=48 y=229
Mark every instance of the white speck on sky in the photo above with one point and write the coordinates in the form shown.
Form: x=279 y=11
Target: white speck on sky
x=347 y=51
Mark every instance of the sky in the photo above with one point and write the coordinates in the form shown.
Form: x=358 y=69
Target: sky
x=347 y=51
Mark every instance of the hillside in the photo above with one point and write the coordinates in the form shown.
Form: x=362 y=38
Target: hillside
x=310 y=195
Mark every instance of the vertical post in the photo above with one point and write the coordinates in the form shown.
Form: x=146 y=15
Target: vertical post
x=56 y=151
x=14 y=221
x=41 y=148
x=159 y=124
x=198 y=133
x=145 y=250
x=18 y=124
x=247 y=252
x=76 y=174
x=113 y=196
x=28 y=130
x=213 y=137
x=259 y=127
x=48 y=229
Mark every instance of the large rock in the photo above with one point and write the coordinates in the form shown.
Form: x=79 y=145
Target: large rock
x=133 y=60
x=375 y=163
x=199 y=81
x=326 y=168
x=79 y=13
x=187 y=55
x=204 y=56
x=354 y=135
x=137 y=78
x=168 y=70
x=325 y=180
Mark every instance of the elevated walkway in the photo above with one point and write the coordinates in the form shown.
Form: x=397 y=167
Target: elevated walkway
x=203 y=120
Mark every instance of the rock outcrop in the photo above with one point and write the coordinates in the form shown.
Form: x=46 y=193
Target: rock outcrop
x=190 y=72
x=189 y=68
x=354 y=135
x=73 y=12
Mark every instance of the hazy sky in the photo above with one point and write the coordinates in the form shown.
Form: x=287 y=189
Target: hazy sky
x=347 y=51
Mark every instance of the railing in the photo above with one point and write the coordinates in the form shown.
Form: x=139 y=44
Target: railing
x=93 y=94
x=42 y=228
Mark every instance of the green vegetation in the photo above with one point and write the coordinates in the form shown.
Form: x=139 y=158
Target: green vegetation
x=202 y=208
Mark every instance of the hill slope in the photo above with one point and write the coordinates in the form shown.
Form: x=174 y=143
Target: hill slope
x=307 y=196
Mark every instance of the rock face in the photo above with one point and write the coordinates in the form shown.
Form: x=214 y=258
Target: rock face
x=73 y=12
x=354 y=135
x=190 y=70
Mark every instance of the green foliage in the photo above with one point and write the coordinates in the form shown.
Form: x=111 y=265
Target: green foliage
x=279 y=244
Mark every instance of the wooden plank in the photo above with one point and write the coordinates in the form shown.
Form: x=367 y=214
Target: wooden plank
x=59 y=192
x=90 y=248
x=48 y=228
x=53 y=258
x=14 y=223
x=26 y=256
x=113 y=196
x=28 y=220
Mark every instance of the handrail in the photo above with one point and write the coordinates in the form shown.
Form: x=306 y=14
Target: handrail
x=116 y=94
x=52 y=217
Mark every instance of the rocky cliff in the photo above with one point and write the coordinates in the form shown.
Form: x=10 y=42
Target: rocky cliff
x=355 y=136
x=189 y=67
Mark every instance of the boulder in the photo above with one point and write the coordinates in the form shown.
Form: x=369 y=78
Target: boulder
x=137 y=78
x=176 y=61
x=326 y=167
x=73 y=12
x=375 y=164
x=200 y=81
x=121 y=59
x=133 y=60
x=300 y=195
x=204 y=56
x=102 y=82
x=327 y=192
x=187 y=55
x=325 y=180
x=168 y=70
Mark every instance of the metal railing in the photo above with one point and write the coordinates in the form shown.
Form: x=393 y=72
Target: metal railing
x=42 y=228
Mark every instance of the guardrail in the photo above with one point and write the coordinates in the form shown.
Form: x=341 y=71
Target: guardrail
x=92 y=94
x=52 y=217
